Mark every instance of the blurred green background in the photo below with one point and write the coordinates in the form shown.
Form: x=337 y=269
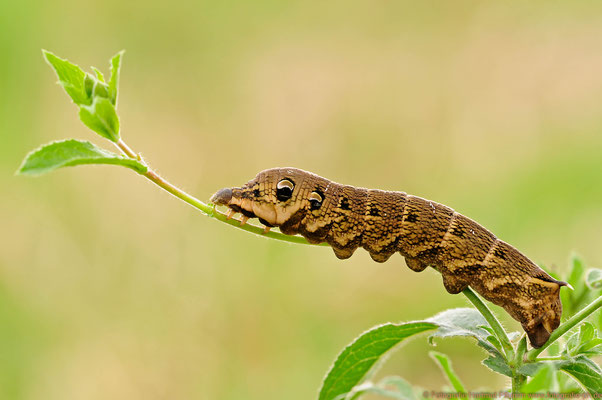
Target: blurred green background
x=111 y=289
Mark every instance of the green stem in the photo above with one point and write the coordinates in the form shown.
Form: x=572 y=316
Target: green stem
x=205 y=208
x=567 y=326
x=493 y=322
x=557 y=358
x=518 y=380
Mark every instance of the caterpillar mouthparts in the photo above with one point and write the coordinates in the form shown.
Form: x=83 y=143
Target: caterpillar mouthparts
x=222 y=197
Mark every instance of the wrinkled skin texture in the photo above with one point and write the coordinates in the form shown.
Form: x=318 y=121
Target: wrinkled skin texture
x=424 y=232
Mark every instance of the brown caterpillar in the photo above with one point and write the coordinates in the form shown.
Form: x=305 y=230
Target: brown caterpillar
x=424 y=232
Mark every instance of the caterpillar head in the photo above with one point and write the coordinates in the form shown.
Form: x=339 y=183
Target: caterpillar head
x=543 y=312
x=281 y=197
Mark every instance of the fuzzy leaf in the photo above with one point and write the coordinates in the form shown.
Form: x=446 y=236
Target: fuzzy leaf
x=99 y=74
x=593 y=279
x=357 y=359
x=586 y=332
x=102 y=118
x=498 y=364
x=444 y=363
x=521 y=349
x=114 y=80
x=392 y=387
x=71 y=78
x=574 y=300
x=544 y=380
x=73 y=152
x=577 y=270
x=464 y=322
x=585 y=341
x=584 y=371
x=530 y=369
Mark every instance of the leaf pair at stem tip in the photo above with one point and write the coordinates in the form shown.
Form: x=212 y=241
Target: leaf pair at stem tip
x=96 y=99
x=97 y=103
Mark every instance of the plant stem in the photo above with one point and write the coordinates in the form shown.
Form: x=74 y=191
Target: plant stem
x=517 y=381
x=493 y=322
x=567 y=326
x=127 y=150
x=557 y=358
x=205 y=208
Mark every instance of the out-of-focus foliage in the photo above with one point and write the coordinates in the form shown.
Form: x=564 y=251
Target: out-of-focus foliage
x=111 y=289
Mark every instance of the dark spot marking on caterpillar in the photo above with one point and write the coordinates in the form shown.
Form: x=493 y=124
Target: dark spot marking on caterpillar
x=499 y=253
x=247 y=213
x=429 y=254
x=256 y=193
x=457 y=231
x=344 y=203
x=411 y=217
x=266 y=223
x=235 y=208
x=374 y=211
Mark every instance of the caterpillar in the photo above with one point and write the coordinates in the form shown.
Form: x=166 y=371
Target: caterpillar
x=426 y=233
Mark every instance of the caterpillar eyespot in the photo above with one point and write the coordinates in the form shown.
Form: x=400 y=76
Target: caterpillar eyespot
x=315 y=200
x=426 y=233
x=284 y=190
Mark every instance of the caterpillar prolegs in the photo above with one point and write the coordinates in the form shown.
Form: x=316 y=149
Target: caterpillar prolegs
x=426 y=233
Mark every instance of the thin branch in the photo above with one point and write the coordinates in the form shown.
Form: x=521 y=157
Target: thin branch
x=207 y=209
x=127 y=150
x=493 y=322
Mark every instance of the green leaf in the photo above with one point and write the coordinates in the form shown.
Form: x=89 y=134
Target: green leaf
x=71 y=78
x=531 y=368
x=99 y=74
x=586 y=332
x=357 y=359
x=498 y=363
x=544 y=380
x=554 y=348
x=495 y=342
x=400 y=385
x=95 y=98
x=593 y=350
x=593 y=279
x=521 y=349
x=566 y=384
x=73 y=152
x=102 y=118
x=464 y=322
x=100 y=89
x=114 y=80
x=571 y=344
x=444 y=363
x=577 y=270
x=585 y=341
x=392 y=387
x=574 y=300
x=584 y=371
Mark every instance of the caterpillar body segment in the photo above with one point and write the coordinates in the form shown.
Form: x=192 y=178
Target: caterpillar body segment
x=426 y=233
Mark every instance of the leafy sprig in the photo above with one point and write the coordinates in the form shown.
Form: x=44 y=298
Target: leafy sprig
x=567 y=368
x=96 y=100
